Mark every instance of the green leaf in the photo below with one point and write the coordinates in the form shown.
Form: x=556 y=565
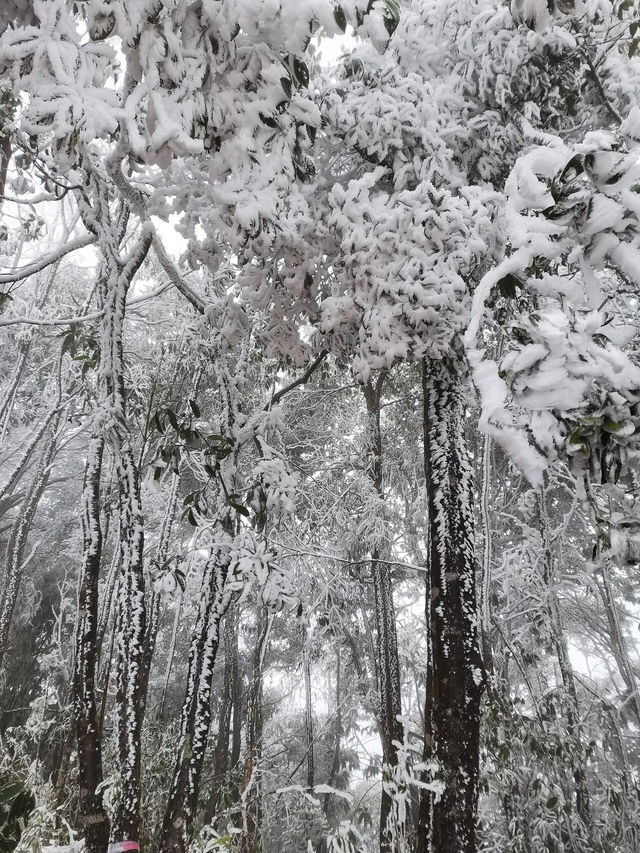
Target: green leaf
x=610 y=426
x=268 y=120
x=633 y=47
x=551 y=802
x=285 y=82
x=391 y=16
x=195 y=408
x=574 y=167
x=300 y=72
x=624 y=6
x=192 y=519
x=173 y=420
x=340 y=19
x=239 y=508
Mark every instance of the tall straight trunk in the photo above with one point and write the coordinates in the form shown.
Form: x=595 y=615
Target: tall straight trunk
x=424 y=822
x=619 y=645
x=171 y=655
x=153 y=622
x=618 y=641
x=238 y=710
x=251 y=840
x=221 y=764
x=487 y=557
x=5 y=156
x=457 y=678
x=15 y=552
x=195 y=720
x=219 y=792
x=583 y=806
x=308 y=711
x=130 y=682
x=388 y=670
x=85 y=715
x=337 y=741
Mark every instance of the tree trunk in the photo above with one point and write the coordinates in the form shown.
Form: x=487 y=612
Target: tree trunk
x=195 y=719
x=618 y=641
x=130 y=683
x=153 y=622
x=337 y=743
x=308 y=711
x=251 y=841
x=220 y=789
x=115 y=276
x=457 y=673
x=5 y=156
x=583 y=806
x=92 y=813
x=236 y=726
x=388 y=670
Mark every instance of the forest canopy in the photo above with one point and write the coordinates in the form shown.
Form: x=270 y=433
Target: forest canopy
x=319 y=401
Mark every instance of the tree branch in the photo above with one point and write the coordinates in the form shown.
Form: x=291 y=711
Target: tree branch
x=46 y=261
x=301 y=380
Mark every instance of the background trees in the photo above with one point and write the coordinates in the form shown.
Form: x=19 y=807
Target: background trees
x=243 y=313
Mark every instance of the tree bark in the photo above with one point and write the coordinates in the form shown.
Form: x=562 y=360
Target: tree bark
x=130 y=684
x=308 y=711
x=195 y=718
x=457 y=676
x=151 y=632
x=251 y=841
x=92 y=812
x=337 y=742
x=583 y=805
x=388 y=670
x=115 y=276
x=5 y=156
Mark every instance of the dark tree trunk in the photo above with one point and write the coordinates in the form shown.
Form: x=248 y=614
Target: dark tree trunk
x=424 y=820
x=336 y=760
x=221 y=763
x=388 y=670
x=220 y=792
x=130 y=684
x=5 y=156
x=457 y=678
x=195 y=718
x=92 y=813
x=308 y=711
x=251 y=779
x=236 y=731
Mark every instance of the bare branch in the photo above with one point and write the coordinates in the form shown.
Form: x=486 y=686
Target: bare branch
x=46 y=261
